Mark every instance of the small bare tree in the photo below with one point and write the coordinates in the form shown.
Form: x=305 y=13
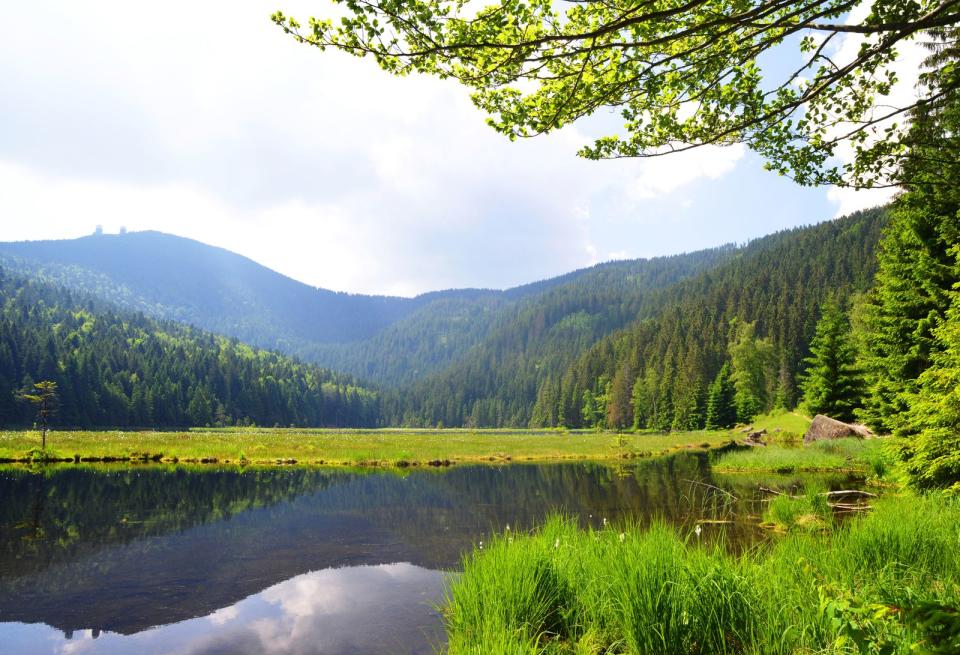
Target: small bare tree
x=44 y=398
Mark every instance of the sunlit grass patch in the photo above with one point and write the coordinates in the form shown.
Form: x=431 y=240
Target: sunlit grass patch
x=864 y=456
x=350 y=447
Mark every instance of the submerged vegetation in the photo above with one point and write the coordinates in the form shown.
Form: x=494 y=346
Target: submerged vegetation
x=888 y=582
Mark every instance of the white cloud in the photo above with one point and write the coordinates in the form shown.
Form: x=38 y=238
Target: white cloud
x=848 y=201
x=907 y=68
x=666 y=174
x=204 y=120
x=224 y=615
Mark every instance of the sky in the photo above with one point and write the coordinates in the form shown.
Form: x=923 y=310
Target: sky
x=202 y=119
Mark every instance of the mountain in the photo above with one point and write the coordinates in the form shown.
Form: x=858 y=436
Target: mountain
x=184 y=280
x=116 y=367
x=575 y=309
x=384 y=340
x=627 y=343
x=594 y=335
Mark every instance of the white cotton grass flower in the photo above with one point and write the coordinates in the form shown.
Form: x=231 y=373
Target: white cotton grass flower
x=481 y=545
x=697 y=530
x=604 y=521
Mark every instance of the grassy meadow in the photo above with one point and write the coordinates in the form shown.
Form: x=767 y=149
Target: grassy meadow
x=414 y=447
x=346 y=447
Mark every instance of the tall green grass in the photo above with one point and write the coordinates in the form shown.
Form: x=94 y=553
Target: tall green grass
x=811 y=510
x=867 y=456
x=652 y=591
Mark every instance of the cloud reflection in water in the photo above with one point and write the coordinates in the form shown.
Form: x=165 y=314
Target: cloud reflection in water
x=364 y=609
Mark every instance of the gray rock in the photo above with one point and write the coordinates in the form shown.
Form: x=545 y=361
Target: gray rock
x=824 y=427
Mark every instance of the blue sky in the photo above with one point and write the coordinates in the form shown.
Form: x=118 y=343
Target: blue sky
x=203 y=120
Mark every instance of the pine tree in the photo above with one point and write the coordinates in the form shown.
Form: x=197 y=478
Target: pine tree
x=721 y=410
x=619 y=406
x=784 y=394
x=832 y=384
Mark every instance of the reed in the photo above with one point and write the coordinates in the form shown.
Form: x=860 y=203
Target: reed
x=864 y=456
x=851 y=588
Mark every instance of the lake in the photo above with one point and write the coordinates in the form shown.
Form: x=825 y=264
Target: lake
x=283 y=561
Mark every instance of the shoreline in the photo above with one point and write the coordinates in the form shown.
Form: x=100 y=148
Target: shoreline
x=363 y=448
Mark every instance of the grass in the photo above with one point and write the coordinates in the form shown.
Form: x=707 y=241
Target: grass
x=809 y=511
x=344 y=447
x=864 y=456
x=884 y=583
x=782 y=420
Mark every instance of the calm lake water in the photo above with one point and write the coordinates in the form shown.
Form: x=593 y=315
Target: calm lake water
x=292 y=561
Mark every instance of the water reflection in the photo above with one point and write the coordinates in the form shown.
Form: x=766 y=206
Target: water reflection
x=365 y=609
x=124 y=550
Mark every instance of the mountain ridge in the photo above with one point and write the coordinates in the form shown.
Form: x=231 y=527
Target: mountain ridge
x=177 y=278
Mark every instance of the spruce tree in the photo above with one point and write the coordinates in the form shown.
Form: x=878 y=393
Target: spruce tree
x=909 y=298
x=916 y=268
x=721 y=410
x=832 y=384
x=933 y=455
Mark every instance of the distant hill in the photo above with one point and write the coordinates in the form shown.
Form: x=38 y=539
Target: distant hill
x=573 y=310
x=118 y=368
x=518 y=357
x=181 y=279
x=385 y=340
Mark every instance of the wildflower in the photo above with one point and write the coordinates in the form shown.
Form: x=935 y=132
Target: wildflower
x=481 y=545
x=623 y=537
x=508 y=527
x=698 y=530
x=604 y=521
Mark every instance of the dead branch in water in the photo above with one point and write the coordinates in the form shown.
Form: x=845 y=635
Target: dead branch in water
x=723 y=491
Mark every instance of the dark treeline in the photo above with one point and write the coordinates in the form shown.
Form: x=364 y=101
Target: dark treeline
x=553 y=365
x=117 y=368
x=494 y=383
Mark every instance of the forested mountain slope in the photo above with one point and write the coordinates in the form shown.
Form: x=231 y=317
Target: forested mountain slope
x=631 y=343
x=384 y=340
x=180 y=279
x=536 y=368
x=762 y=307
x=120 y=368
x=567 y=312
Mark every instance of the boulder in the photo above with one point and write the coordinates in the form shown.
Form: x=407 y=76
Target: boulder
x=756 y=436
x=755 y=439
x=824 y=427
